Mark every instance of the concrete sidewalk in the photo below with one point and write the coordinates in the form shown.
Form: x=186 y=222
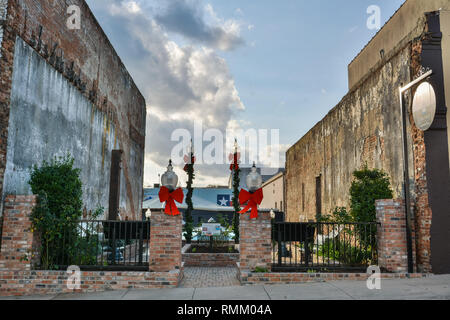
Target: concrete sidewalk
x=434 y=287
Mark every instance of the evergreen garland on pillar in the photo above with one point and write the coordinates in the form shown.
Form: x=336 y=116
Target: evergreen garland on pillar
x=189 y=226
x=234 y=167
x=236 y=204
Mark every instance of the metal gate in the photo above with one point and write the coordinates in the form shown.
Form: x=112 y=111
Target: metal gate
x=323 y=246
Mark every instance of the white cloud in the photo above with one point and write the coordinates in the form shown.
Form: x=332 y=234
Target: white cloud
x=180 y=83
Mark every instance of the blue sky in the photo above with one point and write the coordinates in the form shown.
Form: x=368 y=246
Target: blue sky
x=236 y=63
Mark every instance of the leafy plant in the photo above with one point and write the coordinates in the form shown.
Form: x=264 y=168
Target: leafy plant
x=368 y=186
x=56 y=216
x=260 y=270
x=339 y=215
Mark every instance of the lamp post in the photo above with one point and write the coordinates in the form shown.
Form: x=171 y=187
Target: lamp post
x=254 y=196
x=254 y=180
x=406 y=185
x=169 y=179
x=168 y=192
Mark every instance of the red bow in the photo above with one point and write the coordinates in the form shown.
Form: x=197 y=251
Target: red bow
x=170 y=197
x=235 y=164
x=186 y=160
x=253 y=199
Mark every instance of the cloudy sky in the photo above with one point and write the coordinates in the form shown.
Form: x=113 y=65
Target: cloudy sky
x=235 y=64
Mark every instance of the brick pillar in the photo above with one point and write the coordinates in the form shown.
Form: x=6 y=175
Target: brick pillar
x=165 y=242
x=19 y=246
x=392 y=246
x=255 y=242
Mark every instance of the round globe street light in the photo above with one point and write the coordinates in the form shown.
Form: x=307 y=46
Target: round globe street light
x=254 y=196
x=254 y=180
x=169 y=179
x=168 y=193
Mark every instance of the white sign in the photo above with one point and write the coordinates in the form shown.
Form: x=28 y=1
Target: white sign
x=211 y=229
x=424 y=106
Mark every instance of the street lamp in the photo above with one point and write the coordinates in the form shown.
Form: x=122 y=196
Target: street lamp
x=169 y=179
x=403 y=109
x=254 y=180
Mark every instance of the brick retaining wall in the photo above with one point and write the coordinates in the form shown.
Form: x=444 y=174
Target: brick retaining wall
x=21 y=283
x=19 y=249
x=249 y=278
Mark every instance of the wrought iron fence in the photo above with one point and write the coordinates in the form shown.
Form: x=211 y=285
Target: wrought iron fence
x=323 y=246
x=100 y=245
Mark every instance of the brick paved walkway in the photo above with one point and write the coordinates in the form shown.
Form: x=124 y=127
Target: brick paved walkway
x=196 y=277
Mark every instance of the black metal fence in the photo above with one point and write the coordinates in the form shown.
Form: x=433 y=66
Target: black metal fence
x=100 y=245
x=323 y=246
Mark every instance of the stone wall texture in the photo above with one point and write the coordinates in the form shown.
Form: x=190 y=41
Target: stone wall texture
x=75 y=95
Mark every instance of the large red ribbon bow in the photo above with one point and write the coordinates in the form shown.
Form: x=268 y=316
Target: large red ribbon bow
x=235 y=158
x=252 y=200
x=169 y=198
x=188 y=162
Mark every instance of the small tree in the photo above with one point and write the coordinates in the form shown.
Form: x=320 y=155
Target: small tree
x=368 y=186
x=58 y=187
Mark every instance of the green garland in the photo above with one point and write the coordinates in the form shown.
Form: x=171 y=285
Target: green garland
x=236 y=204
x=189 y=226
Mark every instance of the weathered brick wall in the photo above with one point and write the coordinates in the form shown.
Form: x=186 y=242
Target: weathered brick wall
x=19 y=246
x=88 y=61
x=391 y=237
x=255 y=242
x=165 y=242
x=363 y=128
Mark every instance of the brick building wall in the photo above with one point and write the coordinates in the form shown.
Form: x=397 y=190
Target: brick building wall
x=89 y=64
x=365 y=127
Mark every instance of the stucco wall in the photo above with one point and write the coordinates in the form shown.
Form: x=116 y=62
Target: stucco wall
x=365 y=127
x=86 y=59
x=45 y=122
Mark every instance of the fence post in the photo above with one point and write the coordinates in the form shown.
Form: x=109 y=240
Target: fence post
x=255 y=242
x=391 y=235
x=20 y=247
x=165 y=242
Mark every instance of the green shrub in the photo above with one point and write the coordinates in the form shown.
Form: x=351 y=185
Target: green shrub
x=260 y=270
x=368 y=186
x=345 y=252
x=56 y=216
